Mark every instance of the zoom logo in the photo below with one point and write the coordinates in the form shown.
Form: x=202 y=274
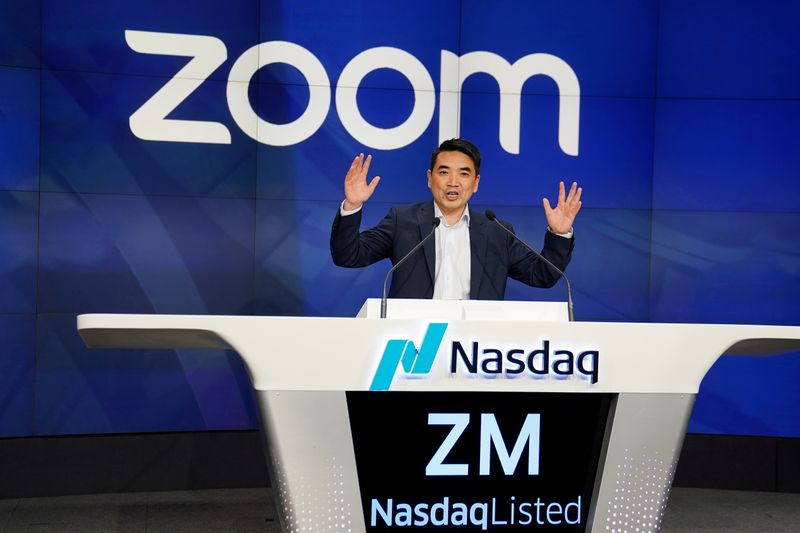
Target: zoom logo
x=208 y=53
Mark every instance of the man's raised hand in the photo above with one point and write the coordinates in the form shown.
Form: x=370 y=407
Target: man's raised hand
x=356 y=189
x=561 y=217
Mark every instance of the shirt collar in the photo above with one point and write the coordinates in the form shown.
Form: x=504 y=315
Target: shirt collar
x=438 y=214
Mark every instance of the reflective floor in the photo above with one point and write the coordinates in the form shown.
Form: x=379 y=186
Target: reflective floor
x=251 y=510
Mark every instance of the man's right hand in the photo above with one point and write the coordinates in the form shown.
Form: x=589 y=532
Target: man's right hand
x=356 y=190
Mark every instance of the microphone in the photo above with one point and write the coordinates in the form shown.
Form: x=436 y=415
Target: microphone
x=493 y=218
x=436 y=222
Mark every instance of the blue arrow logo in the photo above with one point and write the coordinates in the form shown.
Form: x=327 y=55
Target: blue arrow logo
x=403 y=351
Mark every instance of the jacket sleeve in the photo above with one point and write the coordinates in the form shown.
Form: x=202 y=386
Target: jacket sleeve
x=525 y=267
x=351 y=248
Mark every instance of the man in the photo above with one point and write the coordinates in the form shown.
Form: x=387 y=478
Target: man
x=471 y=257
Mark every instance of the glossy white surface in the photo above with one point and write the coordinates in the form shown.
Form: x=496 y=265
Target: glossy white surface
x=299 y=353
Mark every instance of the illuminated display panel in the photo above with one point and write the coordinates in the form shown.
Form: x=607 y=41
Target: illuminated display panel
x=20 y=34
x=687 y=122
x=17 y=341
x=764 y=403
x=97 y=253
x=610 y=279
x=336 y=33
x=741 y=152
x=613 y=50
x=89 y=36
x=698 y=257
x=314 y=170
x=79 y=392
x=87 y=145
x=295 y=275
x=615 y=160
x=719 y=49
x=19 y=127
x=18 y=214
x=455 y=460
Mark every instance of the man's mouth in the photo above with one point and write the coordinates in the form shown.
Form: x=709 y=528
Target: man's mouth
x=452 y=195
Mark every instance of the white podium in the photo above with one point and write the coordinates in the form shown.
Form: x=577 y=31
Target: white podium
x=467 y=417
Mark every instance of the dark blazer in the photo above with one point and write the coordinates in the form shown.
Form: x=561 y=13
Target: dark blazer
x=495 y=255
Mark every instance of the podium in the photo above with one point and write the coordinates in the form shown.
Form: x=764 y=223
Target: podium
x=463 y=416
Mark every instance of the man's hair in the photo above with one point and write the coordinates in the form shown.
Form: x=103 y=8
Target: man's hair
x=459 y=145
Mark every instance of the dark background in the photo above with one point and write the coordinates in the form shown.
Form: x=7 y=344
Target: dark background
x=394 y=443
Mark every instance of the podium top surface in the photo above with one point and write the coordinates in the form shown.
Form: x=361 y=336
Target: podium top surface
x=299 y=353
x=467 y=310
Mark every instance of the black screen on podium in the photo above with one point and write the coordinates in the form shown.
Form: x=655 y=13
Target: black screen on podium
x=477 y=461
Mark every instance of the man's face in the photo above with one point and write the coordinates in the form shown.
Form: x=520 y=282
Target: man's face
x=452 y=181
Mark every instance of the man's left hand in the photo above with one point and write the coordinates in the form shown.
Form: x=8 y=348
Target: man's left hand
x=560 y=218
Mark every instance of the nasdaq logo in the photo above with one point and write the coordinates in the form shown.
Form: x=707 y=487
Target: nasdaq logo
x=208 y=53
x=404 y=352
x=533 y=361
x=488 y=362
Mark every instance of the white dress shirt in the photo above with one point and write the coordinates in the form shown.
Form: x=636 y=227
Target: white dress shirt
x=453 y=259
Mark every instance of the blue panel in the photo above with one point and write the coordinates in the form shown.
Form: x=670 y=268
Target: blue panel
x=718 y=48
x=89 y=35
x=295 y=274
x=335 y=32
x=315 y=169
x=102 y=253
x=750 y=396
x=737 y=268
x=20 y=33
x=611 y=49
x=79 y=390
x=727 y=155
x=614 y=164
x=18 y=214
x=129 y=225
x=87 y=144
x=19 y=127
x=16 y=374
x=610 y=266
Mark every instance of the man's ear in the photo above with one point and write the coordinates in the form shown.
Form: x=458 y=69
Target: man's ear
x=429 y=178
x=477 y=179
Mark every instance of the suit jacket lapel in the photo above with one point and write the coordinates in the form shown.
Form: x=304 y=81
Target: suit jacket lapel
x=478 y=244
x=425 y=221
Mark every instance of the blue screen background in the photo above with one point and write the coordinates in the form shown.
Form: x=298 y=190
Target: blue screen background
x=689 y=120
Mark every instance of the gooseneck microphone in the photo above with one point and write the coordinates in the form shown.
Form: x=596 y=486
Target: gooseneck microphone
x=492 y=217
x=436 y=222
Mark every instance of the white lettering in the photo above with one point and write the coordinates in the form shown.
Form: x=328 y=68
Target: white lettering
x=510 y=79
x=319 y=93
x=403 y=515
x=386 y=514
x=149 y=122
x=491 y=436
x=576 y=506
x=207 y=53
x=347 y=104
x=478 y=515
x=436 y=467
